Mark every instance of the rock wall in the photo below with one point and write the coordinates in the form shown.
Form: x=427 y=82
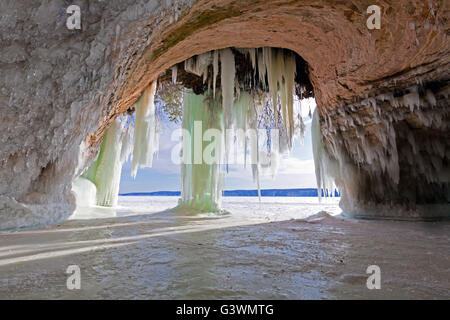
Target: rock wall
x=389 y=154
x=54 y=94
x=60 y=89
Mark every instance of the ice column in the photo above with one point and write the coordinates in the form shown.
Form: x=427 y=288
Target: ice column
x=106 y=170
x=201 y=174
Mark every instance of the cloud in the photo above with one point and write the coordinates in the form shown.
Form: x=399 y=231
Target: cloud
x=296 y=166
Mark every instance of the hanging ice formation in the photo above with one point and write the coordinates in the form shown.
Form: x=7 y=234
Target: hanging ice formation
x=201 y=180
x=105 y=172
x=120 y=141
x=146 y=139
x=254 y=111
x=322 y=161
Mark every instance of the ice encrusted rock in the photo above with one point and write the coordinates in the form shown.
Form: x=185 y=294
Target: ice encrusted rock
x=389 y=156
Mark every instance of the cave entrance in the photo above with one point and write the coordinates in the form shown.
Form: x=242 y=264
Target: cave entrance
x=236 y=106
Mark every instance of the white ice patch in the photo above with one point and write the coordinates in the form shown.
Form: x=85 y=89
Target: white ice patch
x=85 y=192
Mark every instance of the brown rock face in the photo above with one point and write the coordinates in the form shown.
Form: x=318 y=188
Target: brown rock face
x=61 y=87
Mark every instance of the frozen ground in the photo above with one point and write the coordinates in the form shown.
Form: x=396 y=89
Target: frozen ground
x=279 y=249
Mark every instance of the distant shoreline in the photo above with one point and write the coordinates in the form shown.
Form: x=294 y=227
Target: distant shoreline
x=305 y=192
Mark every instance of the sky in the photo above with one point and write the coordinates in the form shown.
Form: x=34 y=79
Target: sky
x=296 y=170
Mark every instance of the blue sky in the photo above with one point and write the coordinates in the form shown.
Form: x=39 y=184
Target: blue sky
x=295 y=171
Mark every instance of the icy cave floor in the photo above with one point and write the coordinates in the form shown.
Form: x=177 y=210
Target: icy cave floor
x=281 y=249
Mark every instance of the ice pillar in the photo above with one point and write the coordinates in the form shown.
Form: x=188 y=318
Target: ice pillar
x=106 y=170
x=203 y=142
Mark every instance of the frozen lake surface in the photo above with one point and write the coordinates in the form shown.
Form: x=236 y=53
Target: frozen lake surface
x=282 y=248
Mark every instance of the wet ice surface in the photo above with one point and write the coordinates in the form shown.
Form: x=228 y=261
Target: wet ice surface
x=280 y=249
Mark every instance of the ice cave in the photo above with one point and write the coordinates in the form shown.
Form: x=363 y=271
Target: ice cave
x=79 y=103
x=380 y=130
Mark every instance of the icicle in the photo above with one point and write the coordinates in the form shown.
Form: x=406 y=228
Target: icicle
x=252 y=53
x=280 y=74
x=198 y=65
x=228 y=73
x=204 y=60
x=146 y=138
x=262 y=68
x=282 y=87
x=272 y=77
x=189 y=65
x=322 y=163
x=127 y=142
x=107 y=178
x=215 y=70
x=289 y=76
x=174 y=74
x=242 y=109
x=254 y=149
x=105 y=172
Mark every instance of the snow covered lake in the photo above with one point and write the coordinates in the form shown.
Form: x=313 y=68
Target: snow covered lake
x=282 y=248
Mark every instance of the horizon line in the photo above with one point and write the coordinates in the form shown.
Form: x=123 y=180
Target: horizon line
x=311 y=192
